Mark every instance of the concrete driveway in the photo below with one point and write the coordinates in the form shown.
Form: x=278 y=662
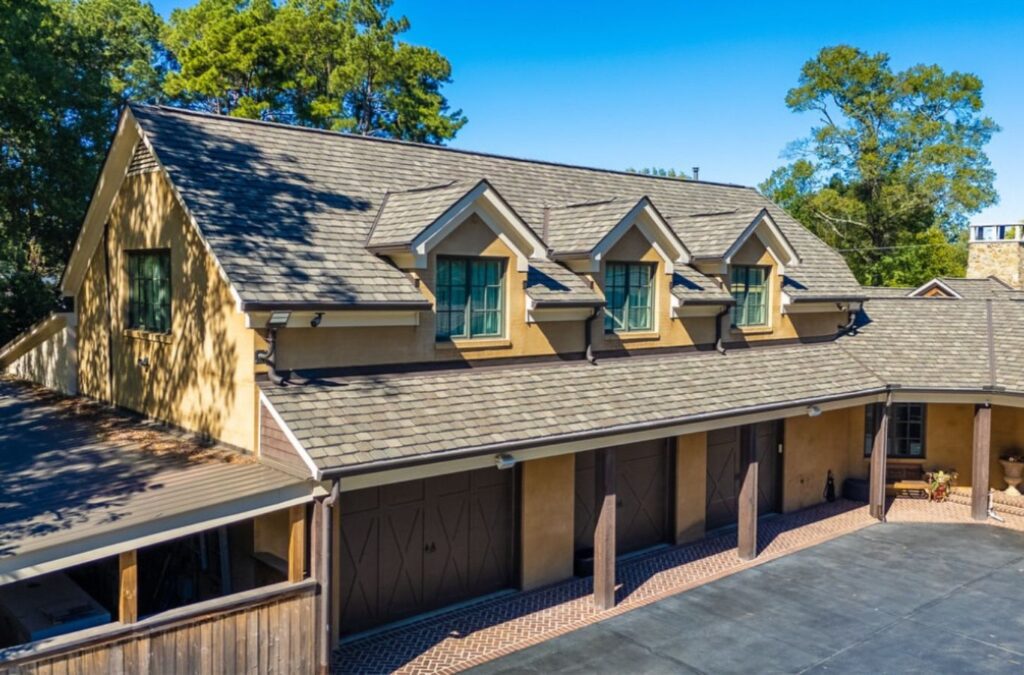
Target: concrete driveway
x=893 y=598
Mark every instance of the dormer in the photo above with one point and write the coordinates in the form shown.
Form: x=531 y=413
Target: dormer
x=581 y=235
x=410 y=223
x=717 y=239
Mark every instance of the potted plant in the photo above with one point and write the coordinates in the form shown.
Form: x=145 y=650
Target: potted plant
x=1013 y=467
x=939 y=484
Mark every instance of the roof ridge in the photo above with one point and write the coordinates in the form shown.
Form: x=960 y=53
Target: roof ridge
x=429 y=146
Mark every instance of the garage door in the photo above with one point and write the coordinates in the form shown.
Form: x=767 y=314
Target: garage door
x=412 y=547
x=643 y=478
x=725 y=471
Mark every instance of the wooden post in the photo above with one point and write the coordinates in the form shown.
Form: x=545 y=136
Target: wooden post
x=604 y=528
x=127 y=601
x=879 y=453
x=980 y=459
x=296 y=543
x=746 y=534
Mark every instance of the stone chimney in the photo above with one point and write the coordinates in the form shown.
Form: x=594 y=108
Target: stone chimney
x=997 y=250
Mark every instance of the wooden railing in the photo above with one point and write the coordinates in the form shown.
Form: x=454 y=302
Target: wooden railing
x=265 y=630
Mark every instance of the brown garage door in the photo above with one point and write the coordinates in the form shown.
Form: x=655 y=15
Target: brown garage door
x=642 y=488
x=412 y=547
x=725 y=471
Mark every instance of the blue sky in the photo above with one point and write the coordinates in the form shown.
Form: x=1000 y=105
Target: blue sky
x=683 y=84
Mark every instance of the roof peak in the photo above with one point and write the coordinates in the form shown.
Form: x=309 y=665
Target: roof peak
x=428 y=146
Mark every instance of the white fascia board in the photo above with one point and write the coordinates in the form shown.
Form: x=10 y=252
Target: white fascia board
x=771 y=236
x=934 y=283
x=790 y=306
x=536 y=314
x=701 y=310
x=314 y=471
x=340 y=319
x=484 y=201
x=108 y=185
x=654 y=228
x=95 y=547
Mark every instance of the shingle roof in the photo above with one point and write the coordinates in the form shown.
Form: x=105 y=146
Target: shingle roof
x=887 y=291
x=549 y=283
x=368 y=419
x=287 y=210
x=976 y=289
x=691 y=286
x=711 y=234
x=581 y=227
x=404 y=215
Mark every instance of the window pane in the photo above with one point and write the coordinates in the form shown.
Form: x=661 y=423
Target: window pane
x=749 y=289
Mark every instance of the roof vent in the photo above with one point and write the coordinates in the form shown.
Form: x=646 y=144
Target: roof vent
x=696 y=173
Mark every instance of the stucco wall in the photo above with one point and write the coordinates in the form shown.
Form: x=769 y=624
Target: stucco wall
x=812 y=446
x=548 y=494
x=47 y=356
x=200 y=376
x=691 y=486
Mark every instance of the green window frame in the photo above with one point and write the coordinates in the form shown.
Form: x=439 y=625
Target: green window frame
x=906 y=429
x=149 y=291
x=470 y=297
x=629 y=297
x=749 y=287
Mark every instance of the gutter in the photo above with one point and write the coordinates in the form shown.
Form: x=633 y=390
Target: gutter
x=511 y=446
x=248 y=306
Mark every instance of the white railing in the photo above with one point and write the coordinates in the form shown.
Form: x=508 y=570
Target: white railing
x=997 y=232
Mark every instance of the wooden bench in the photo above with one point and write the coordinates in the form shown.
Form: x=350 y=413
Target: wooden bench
x=907 y=480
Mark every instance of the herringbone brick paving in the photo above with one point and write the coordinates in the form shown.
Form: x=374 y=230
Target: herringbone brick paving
x=456 y=640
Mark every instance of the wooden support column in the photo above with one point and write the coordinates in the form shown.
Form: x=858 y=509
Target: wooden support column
x=604 y=528
x=746 y=534
x=879 y=453
x=980 y=459
x=296 y=543
x=128 y=594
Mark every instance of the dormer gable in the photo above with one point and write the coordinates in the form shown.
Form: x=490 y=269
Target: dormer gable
x=580 y=235
x=713 y=238
x=410 y=223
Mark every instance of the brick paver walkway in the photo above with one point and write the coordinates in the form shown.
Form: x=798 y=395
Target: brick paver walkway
x=463 y=638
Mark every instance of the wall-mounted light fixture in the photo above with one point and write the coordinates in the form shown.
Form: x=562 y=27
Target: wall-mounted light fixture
x=278 y=319
x=504 y=462
x=813 y=411
x=315 y=321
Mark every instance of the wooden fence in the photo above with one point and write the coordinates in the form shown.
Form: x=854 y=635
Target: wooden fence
x=266 y=630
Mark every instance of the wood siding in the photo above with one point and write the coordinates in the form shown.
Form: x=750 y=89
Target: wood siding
x=275 y=446
x=269 y=634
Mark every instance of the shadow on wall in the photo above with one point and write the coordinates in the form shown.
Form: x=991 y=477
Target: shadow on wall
x=66 y=461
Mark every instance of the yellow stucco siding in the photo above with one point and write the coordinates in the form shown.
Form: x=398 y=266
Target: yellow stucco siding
x=780 y=326
x=691 y=486
x=548 y=499
x=200 y=376
x=813 y=446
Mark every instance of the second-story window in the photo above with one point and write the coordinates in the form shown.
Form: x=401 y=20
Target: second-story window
x=629 y=300
x=749 y=285
x=149 y=291
x=469 y=297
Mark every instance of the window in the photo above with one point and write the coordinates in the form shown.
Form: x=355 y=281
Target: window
x=749 y=288
x=469 y=297
x=628 y=297
x=906 y=429
x=149 y=291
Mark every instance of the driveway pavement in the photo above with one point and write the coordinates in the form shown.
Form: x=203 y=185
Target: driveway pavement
x=893 y=598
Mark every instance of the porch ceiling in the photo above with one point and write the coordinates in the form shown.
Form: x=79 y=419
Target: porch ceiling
x=79 y=486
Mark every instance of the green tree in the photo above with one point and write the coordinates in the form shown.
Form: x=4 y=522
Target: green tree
x=894 y=166
x=65 y=67
x=332 y=64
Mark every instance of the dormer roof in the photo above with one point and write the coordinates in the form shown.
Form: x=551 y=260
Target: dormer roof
x=718 y=235
x=406 y=213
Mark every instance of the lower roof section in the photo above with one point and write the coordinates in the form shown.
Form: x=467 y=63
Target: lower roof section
x=76 y=487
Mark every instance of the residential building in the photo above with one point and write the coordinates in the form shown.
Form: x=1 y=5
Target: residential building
x=423 y=375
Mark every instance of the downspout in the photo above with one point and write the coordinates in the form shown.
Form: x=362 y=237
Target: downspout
x=326 y=573
x=269 y=358
x=847 y=328
x=719 y=345
x=587 y=338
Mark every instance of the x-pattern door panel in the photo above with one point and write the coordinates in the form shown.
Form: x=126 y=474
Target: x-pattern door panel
x=412 y=547
x=723 y=479
x=642 y=495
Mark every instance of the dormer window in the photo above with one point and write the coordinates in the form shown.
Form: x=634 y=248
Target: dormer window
x=470 y=294
x=749 y=286
x=629 y=300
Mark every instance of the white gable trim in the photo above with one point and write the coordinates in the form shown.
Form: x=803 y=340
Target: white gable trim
x=934 y=283
x=766 y=229
x=485 y=202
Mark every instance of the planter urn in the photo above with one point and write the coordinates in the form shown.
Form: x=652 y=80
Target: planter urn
x=1012 y=474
